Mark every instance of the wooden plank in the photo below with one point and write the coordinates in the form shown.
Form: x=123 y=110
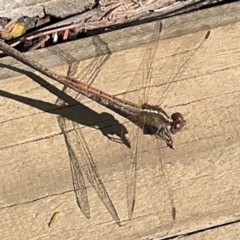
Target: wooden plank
x=229 y=231
x=200 y=178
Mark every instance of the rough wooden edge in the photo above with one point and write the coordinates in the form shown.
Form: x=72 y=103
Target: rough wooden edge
x=131 y=37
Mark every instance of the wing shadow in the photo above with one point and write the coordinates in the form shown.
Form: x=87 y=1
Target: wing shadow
x=105 y=122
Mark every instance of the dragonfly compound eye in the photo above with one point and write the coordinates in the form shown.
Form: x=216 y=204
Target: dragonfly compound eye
x=178 y=123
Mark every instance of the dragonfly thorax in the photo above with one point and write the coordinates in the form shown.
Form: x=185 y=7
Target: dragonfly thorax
x=155 y=121
x=154 y=115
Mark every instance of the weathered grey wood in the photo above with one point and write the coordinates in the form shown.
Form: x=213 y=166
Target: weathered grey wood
x=40 y=8
x=134 y=36
x=201 y=177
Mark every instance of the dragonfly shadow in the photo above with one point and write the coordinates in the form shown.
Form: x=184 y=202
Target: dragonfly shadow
x=77 y=113
x=74 y=111
x=104 y=122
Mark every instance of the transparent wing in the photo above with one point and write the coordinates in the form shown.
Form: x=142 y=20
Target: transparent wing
x=82 y=161
x=140 y=80
x=76 y=169
x=181 y=57
x=144 y=79
x=178 y=63
x=80 y=156
x=130 y=167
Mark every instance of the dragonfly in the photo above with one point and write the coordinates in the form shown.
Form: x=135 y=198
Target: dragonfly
x=148 y=119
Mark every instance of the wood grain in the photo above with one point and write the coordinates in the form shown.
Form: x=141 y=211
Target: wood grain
x=200 y=178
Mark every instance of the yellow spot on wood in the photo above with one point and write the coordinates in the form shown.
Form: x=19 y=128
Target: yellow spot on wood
x=54 y=218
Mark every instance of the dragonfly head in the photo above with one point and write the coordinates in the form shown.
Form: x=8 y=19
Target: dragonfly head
x=178 y=123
